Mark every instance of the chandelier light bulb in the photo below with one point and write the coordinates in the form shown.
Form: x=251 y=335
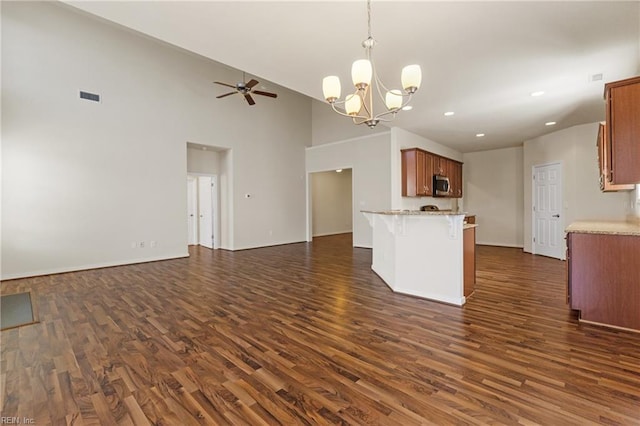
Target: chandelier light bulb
x=411 y=78
x=352 y=104
x=331 y=88
x=361 y=72
x=393 y=99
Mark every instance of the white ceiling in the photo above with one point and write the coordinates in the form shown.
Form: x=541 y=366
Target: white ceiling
x=479 y=59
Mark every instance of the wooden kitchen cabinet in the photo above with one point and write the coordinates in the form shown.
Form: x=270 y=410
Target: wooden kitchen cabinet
x=469 y=260
x=417 y=173
x=604 y=163
x=603 y=274
x=418 y=168
x=455 y=179
x=623 y=131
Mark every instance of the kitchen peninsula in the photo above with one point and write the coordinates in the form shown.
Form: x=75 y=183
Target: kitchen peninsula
x=421 y=253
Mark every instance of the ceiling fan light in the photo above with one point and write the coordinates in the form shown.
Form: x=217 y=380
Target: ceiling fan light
x=331 y=88
x=393 y=99
x=411 y=78
x=361 y=73
x=352 y=104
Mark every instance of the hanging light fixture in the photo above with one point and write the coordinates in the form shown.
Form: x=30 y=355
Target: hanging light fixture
x=359 y=104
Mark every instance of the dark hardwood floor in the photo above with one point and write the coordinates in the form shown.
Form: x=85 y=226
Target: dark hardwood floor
x=308 y=334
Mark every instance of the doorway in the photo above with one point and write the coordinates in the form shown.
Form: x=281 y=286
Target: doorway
x=202 y=200
x=547 y=226
x=331 y=202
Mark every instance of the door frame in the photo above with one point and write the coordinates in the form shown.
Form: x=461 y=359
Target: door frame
x=533 y=203
x=215 y=209
x=192 y=203
x=309 y=191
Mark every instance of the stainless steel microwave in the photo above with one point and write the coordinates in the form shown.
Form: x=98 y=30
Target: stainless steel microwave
x=441 y=186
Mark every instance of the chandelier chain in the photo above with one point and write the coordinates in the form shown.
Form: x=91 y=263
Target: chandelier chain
x=369 y=18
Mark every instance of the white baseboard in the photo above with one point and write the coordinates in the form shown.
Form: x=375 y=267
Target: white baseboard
x=29 y=274
x=349 y=231
x=488 y=243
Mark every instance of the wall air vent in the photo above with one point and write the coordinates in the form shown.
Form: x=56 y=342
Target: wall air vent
x=89 y=96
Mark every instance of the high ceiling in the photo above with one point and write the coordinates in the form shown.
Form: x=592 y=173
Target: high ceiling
x=481 y=60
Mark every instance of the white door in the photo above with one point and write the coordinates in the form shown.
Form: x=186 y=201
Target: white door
x=192 y=210
x=205 y=211
x=548 y=228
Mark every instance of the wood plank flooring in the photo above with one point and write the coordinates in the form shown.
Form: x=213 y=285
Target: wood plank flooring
x=308 y=334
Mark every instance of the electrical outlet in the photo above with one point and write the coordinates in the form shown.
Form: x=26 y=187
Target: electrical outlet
x=152 y=244
x=133 y=244
x=141 y=244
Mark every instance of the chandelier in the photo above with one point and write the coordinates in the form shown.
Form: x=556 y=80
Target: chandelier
x=359 y=105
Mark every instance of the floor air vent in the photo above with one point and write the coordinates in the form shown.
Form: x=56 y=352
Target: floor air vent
x=89 y=96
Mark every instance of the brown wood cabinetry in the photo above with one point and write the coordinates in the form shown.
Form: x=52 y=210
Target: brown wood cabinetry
x=455 y=178
x=417 y=173
x=469 y=260
x=604 y=278
x=418 y=168
x=623 y=131
x=604 y=163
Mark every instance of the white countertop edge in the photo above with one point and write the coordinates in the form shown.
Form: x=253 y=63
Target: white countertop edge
x=414 y=213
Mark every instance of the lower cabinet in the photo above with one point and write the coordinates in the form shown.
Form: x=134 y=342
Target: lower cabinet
x=469 y=260
x=604 y=278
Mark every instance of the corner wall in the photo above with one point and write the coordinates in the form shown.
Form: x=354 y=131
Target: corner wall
x=575 y=147
x=369 y=159
x=493 y=191
x=83 y=181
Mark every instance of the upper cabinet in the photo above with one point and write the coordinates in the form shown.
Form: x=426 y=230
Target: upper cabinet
x=621 y=135
x=604 y=163
x=418 y=168
x=455 y=178
x=417 y=173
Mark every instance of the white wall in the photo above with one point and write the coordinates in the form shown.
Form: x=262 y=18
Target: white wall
x=370 y=160
x=203 y=161
x=81 y=181
x=401 y=139
x=493 y=191
x=331 y=202
x=575 y=147
x=327 y=126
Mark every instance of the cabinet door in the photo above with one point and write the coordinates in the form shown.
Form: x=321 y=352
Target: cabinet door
x=409 y=172
x=623 y=112
x=455 y=175
x=604 y=165
x=428 y=174
x=414 y=166
x=439 y=165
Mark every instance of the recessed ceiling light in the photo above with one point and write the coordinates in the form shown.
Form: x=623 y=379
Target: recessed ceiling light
x=479 y=135
x=449 y=113
x=407 y=108
x=538 y=93
x=550 y=123
x=338 y=170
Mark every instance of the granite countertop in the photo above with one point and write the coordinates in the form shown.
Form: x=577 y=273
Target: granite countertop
x=605 y=227
x=416 y=212
x=469 y=225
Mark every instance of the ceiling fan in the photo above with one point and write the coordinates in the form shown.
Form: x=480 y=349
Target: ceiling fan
x=246 y=89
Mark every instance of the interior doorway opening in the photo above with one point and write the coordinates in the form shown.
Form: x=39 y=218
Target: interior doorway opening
x=202 y=211
x=331 y=202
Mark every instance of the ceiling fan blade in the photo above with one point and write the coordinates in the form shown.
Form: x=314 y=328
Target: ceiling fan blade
x=269 y=94
x=226 y=94
x=249 y=99
x=225 y=84
x=251 y=83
